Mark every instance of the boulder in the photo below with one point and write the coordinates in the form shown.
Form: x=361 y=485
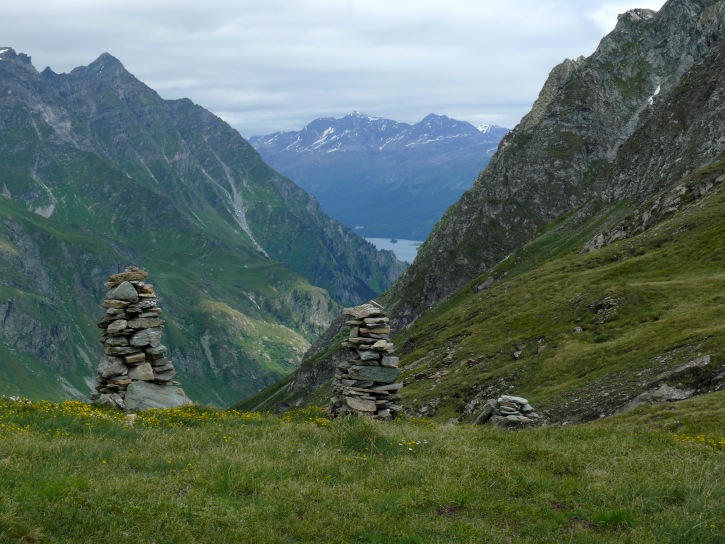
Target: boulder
x=125 y=291
x=144 y=395
x=379 y=374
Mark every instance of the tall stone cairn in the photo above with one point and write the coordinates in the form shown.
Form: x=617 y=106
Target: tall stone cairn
x=365 y=384
x=134 y=374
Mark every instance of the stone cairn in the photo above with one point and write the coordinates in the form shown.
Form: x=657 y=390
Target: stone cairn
x=366 y=384
x=134 y=374
x=508 y=411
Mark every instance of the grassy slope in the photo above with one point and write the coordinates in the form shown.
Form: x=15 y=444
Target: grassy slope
x=668 y=292
x=667 y=287
x=71 y=473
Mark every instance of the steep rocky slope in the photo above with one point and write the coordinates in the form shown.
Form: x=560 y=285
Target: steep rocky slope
x=99 y=172
x=385 y=178
x=560 y=157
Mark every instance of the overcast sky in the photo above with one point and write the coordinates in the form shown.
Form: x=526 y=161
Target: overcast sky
x=271 y=65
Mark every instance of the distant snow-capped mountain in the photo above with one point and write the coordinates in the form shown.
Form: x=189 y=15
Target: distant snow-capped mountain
x=385 y=178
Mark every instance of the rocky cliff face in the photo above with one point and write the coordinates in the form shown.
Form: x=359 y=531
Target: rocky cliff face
x=99 y=172
x=574 y=150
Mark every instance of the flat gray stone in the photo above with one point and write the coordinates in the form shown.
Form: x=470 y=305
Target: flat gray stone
x=367 y=355
x=156 y=352
x=145 y=395
x=362 y=405
x=145 y=323
x=371 y=309
x=141 y=372
x=518 y=419
x=116 y=341
x=118 y=304
x=164 y=375
x=116 y=327
x=111 y=366
x=390 y=361
x=147 y=337
x=517 y=400
x=388 y=387
x=121 y=350
x=380 y=374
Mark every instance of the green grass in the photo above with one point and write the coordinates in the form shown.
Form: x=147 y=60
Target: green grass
x=667 y=289
x=73 y=473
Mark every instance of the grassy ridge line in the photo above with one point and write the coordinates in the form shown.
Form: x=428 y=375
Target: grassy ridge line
x=73 y=473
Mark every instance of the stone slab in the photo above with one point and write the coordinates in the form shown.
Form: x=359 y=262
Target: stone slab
x=111 y=366
x=115 y=304
x=362 y=405
x=517 y=400
x=141 y=372
x=134 y=358
x=145 y=395
x=145 y=323
x=379 y=374
x=370 y=309
x=147 y=337
x=390 y=361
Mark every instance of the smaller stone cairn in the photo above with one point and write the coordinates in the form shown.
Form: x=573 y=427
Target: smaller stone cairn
x=508 y=411
x=366 y=384
x=134 y=374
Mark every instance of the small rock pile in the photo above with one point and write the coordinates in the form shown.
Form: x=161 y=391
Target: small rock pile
x=134 y=374
x=366 y=384
x=508 y=411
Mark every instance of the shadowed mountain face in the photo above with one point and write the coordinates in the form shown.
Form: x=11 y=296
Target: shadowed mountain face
x=98 y=172
x=384 y=178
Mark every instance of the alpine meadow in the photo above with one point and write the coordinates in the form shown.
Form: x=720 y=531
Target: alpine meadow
x=549 y=368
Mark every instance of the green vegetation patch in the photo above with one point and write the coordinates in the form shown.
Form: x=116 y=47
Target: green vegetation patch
x=76 y=473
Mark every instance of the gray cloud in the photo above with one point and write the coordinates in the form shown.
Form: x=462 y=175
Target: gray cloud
x=269 y=65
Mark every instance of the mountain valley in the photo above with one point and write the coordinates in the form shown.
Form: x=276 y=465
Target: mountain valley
x=98 y=172
x=583 y=270
x=383 y=178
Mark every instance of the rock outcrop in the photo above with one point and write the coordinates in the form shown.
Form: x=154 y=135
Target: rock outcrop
x=366 y=384
x=134 y=373
x=508 y=411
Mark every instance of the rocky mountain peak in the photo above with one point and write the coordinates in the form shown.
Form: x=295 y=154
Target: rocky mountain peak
x=8 y=54
x=636 y=15
x=105 y=66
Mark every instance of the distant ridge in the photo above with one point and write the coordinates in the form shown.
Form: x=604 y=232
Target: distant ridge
x=385 y=178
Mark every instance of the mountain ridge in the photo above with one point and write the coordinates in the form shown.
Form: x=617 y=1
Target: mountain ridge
x=396 y=178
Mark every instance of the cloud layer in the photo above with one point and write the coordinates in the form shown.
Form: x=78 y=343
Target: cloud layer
x=270 y=65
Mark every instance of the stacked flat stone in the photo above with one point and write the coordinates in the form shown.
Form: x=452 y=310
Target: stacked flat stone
x=134 y=373
x=365 y=383
x=508 y=411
